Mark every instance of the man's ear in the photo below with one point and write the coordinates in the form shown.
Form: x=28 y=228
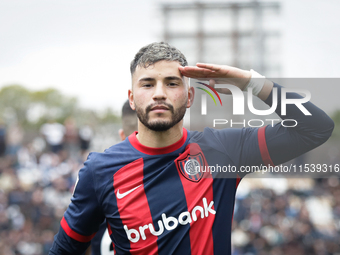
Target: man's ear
x=191 y=96
x=130 y=96
x=121 y=134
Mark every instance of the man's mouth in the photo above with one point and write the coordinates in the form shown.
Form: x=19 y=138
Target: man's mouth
x=159 y=108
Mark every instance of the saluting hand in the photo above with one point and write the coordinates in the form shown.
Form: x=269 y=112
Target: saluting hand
x=218 y=74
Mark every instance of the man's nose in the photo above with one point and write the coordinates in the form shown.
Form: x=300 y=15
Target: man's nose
x=159 y=92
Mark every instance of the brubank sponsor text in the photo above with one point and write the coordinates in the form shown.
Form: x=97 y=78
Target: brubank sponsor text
x=170 y=223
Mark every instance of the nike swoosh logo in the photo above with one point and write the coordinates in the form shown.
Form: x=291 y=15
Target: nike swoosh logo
x=121 y=195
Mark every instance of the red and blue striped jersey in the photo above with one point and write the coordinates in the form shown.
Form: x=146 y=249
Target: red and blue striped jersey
x=155 y=201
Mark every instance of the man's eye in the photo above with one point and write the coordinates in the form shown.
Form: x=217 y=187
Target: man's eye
x=147 y=85
x=172 y=84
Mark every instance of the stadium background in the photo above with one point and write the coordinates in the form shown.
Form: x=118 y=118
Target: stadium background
x=68 y=63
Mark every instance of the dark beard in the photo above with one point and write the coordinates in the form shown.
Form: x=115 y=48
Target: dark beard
x=160 y=126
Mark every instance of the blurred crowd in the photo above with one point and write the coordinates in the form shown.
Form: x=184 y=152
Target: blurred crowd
x=36 y=183
x=37 y=180
x=302 y=218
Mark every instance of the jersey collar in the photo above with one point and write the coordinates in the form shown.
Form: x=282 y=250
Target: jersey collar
x=156 y=151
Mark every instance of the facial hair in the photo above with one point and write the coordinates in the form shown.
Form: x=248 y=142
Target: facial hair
x=160 y=125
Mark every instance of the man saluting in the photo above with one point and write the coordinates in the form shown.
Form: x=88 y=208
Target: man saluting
x=151 y=204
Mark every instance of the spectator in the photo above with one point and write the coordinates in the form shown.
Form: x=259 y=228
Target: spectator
x=15 y=136
x=85 y=137
x=54 y=134
x=71 y=136
x=2 y=138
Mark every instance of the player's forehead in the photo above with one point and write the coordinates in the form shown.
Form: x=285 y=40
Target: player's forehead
x=160 y=70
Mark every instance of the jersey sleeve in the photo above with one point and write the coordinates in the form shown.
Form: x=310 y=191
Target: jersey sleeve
x=273 y=145
x=286 y=143
x=83 y=216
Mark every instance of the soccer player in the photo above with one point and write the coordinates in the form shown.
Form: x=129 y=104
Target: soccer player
x=101 y=243
x=146 y=187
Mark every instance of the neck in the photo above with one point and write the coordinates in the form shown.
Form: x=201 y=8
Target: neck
x=150 y=138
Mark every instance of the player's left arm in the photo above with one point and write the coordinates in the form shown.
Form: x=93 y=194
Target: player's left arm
x=278 y=142
x=307 y=131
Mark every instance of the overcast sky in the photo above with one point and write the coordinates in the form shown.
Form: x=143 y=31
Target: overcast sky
x=84 y=47
x=81 y=47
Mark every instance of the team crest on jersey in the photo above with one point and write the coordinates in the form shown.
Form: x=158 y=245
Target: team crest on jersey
x=191 y=167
